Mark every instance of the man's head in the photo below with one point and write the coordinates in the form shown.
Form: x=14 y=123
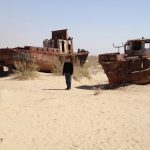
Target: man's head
x=68 y=58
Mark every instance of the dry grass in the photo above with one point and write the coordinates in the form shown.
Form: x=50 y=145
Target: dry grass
x=92 y=61
x=57 y=66
x=93 y=65
x=25 y=70
x=90 y=67
x=80 y=72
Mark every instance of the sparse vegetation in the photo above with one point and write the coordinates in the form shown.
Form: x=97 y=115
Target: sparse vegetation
x=92 y=61
x=25 y=70
x=80 y=72
x=91 y=66
x=57 y=66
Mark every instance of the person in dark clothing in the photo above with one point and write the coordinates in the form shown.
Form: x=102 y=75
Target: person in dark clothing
x=68 y=71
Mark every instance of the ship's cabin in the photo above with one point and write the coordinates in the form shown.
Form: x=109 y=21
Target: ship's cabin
x=137 y=47
x=60 y=40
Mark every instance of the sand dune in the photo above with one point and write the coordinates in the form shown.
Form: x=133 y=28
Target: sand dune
x=40 y=115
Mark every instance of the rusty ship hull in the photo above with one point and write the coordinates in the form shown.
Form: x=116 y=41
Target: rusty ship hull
x=44 y=58
x=121 y=69
x=133 y=66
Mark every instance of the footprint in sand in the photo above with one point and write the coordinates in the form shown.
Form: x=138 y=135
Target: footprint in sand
x=1 y=140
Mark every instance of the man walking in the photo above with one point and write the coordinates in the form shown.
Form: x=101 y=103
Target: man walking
x=68 y=71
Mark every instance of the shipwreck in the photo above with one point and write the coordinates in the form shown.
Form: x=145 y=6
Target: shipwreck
x=58 y=47
x=133 y=66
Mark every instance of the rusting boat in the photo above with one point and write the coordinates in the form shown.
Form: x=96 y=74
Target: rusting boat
x=58 y=47
x=133 y=66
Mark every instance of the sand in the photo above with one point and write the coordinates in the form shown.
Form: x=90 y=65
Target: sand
x=40 y=115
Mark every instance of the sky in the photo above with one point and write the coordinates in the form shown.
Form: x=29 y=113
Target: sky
x=94 y=24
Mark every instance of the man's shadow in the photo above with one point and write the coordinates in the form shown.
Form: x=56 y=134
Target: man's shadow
x=92 y=87
x=102 y=86
x=53 y=89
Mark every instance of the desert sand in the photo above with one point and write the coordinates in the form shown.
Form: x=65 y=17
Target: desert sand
x=40 y=115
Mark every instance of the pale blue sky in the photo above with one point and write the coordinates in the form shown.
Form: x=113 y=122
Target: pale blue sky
x=94 y=24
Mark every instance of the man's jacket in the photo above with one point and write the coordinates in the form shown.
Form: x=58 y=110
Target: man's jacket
x=68 y=68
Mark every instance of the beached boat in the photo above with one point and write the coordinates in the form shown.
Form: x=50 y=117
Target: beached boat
x=55 y=49
x=133 y=66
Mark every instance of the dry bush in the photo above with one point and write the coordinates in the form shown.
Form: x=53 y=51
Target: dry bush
x=80 y=72
x=57 y=65
x=93 y=65
x=25 y=70
x=92 y=61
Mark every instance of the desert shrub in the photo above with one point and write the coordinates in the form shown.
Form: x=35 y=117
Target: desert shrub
x=93 y=65
x=92 y=61
x=57 y=65
x=80 y=72
x=25 y=70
